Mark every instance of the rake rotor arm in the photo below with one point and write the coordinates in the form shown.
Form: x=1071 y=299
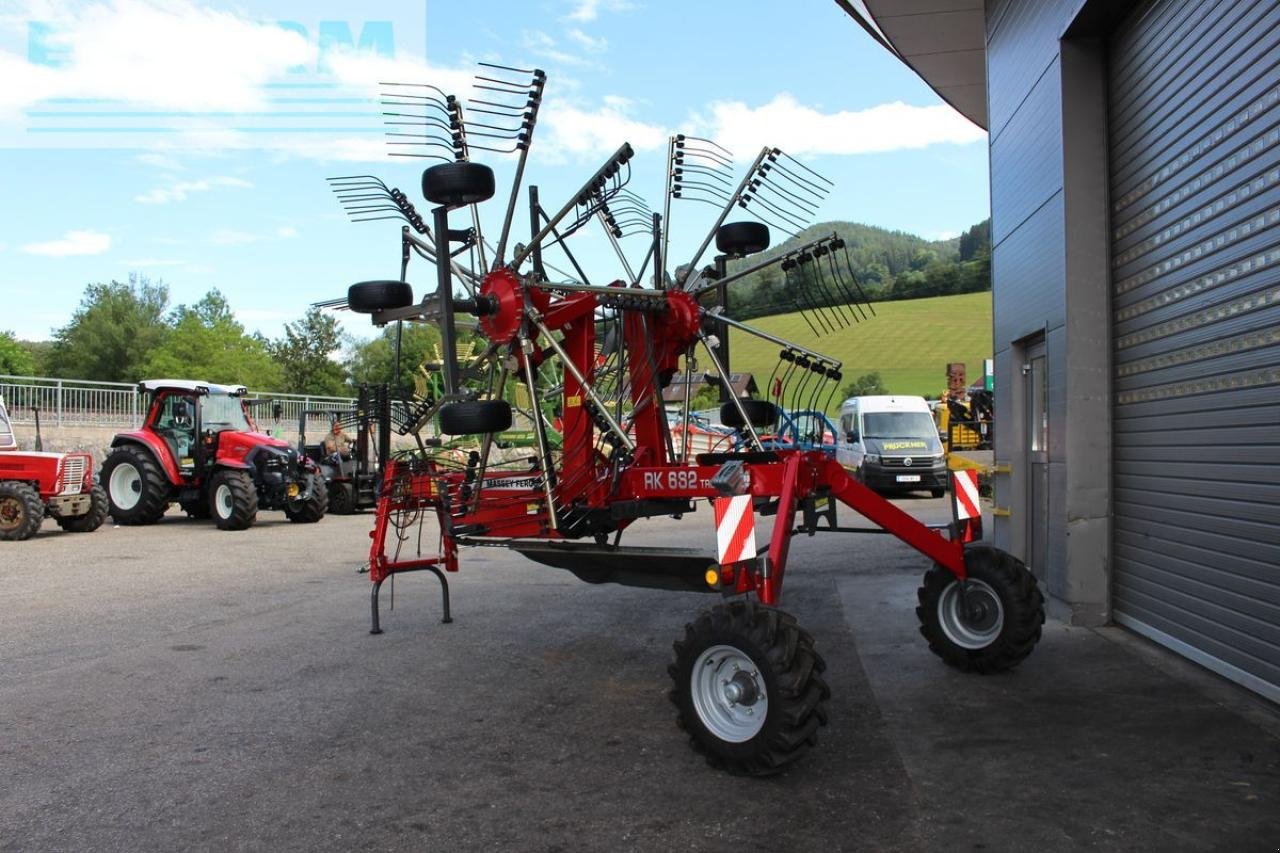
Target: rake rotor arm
x=760 y=333
x=582 y=197
x=728 y=206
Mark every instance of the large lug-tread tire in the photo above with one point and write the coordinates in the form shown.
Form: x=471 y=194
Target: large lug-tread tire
x=456 y=184
x=475 y=417
x=233 y=500
x=776 y=662
x=761 y=413
x=99 y=506
x=21 y=511
x=367 y=297
x=742 y=238
x=313 y=508
x=137 y=491
x=1001 y=623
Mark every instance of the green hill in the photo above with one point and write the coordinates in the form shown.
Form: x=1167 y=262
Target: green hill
x=909 y=342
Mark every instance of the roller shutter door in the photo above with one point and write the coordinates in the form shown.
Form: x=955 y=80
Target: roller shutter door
x=1194 y=115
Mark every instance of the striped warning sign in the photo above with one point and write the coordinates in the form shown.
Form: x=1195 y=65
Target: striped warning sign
x=966 y=492
x=735 y=529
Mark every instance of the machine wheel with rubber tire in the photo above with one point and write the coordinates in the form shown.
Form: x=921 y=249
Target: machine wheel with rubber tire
x=748 y=688
x=233 y=501
x=475 y=417
x=99 y=506
x=312 y=509
x=456 y=184
x=740 y=239
x=368 y=297
x=990 y=621
x=21 y=511
x=137 y=491
x=341 y=501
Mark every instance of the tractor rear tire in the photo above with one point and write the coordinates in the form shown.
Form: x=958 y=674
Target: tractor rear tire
x=740 y=239
x=313 y=508
x=456 y=184
x=368 y=297
x=475 y=417
x=341 y=501
x=21 y=511
x=233 y=501
x=748 y=688
x=91 y=520
x=137 y=491
x=1000 y=623
x=761 y=413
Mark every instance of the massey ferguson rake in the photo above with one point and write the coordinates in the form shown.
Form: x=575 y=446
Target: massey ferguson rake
x=592 y=361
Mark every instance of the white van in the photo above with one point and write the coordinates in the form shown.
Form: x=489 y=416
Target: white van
x=891 y=443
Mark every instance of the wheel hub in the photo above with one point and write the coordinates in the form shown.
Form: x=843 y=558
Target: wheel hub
x=729 y=694
x=10 y=512
x=741 y=689
x=971 y=614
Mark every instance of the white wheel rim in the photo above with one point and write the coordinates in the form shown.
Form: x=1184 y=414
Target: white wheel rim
x=976 y=625
x=729 y=694
x=222 y=501
x=125 y=486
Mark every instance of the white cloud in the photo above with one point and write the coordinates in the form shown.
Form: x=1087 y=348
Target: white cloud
x=152 y=53
x=591 y=45
x=588 y=10
x=599 y=131
x=286 y=232
x=72 y=243
x=544 y=46
x=798 y=129
x=157 y=160
x=179 y=191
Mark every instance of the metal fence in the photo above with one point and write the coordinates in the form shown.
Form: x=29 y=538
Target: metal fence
x=75 y=402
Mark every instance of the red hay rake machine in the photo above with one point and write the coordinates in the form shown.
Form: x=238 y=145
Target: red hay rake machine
x=748 y=683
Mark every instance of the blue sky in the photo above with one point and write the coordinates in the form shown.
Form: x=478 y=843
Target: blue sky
x=189 y=141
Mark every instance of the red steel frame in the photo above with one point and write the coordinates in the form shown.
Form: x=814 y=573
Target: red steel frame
x=790 y=476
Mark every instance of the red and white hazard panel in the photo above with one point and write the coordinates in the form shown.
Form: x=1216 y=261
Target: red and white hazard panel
x=735 y=529
x=966 y=492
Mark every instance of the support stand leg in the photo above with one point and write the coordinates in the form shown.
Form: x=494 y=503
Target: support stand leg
x=376 y=627
x=373 y=606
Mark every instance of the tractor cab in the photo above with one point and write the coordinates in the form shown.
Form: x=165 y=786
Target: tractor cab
x=7 y=441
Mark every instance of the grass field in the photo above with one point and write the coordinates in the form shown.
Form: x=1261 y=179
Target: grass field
x=908 y=342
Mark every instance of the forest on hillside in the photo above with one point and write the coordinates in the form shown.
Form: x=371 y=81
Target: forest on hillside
x=887 y=265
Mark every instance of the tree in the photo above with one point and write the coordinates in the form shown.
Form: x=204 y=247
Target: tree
x=112 y=332
x=866 y=385
x=207 y=342
x=15 y=360
x=372 y=361
x=303 y=355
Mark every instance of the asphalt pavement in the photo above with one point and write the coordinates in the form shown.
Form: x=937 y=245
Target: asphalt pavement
x=179 y=687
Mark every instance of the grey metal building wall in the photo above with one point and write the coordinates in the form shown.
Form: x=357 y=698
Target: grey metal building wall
x=1194 y=93
x=1031 y=205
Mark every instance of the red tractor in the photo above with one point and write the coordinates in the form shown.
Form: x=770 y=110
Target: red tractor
x=33 y=485
x=199 y=447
